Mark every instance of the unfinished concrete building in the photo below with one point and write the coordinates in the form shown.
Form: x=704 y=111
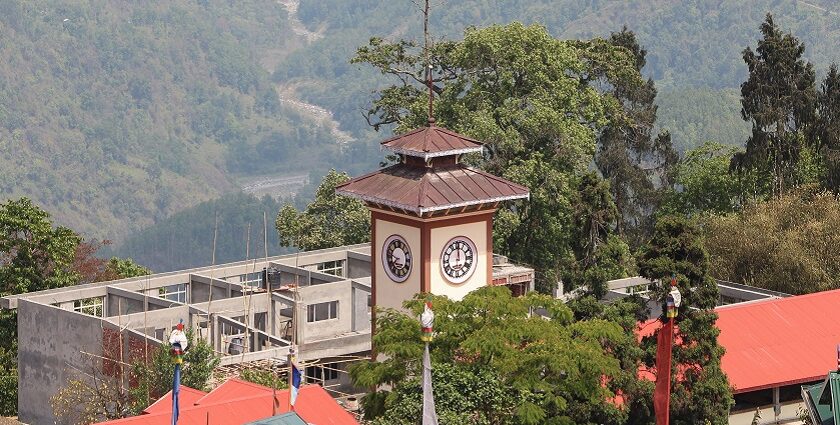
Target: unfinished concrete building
x=244 y=310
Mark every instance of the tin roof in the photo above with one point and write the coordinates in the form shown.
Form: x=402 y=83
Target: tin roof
x=239 y=402
x=423 y=190
x=432 y=141
x=777 y=342
x=823 y=400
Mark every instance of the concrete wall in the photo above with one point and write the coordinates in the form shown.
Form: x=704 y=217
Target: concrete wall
x=50 y=342
x=357 y=267
x=361 y=311
x=118 y=305
x=789 y=414
x=326 y=292
x=199 y=289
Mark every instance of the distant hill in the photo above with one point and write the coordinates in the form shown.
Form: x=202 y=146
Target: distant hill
x=694 y=47
x=117 y=114
x=185 y=239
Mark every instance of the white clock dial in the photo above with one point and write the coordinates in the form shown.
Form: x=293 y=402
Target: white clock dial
x=458 y=259
x=396 y=258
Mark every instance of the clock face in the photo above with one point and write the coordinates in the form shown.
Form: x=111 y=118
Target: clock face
x=396 y=258
x=457 y=261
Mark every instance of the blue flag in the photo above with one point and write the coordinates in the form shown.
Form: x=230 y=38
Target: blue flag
x=295 y=384
x=176 y=389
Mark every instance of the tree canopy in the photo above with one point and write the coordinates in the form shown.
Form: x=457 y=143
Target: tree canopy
x=330 y=220
x=545 y=371
x=700 y=390
x=779 y=244
x=533 y=99
x=778 y=99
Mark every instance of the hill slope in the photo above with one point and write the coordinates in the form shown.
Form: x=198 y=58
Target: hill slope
x=114 y=114
x=694 y=48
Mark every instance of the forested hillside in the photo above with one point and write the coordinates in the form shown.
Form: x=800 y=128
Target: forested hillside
x=185 y=239
x=694 y=48
x=116 y=114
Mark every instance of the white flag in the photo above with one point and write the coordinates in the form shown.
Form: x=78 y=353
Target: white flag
x=429 y=413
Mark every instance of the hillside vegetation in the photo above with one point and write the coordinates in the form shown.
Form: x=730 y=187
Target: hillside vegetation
x=116 y=114
x=694 y=48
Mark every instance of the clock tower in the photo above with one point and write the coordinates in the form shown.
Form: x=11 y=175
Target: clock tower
x=431 y=217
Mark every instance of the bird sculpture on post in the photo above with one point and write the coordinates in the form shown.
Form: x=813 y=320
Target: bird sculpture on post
x=178 y=340
x=427 y=320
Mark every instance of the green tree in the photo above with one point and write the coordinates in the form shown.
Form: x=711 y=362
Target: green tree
x=778 y=99
x=779 y=244
x=599 y=253
x=490 y=335
x=533 y=99
x=125 y=267
x=154 y=378
x=34 y=255
x=827 y=129
x=699 y=389
x=470 y=396
x=705 y=184
x=637 y=165
x=330 y=220
x=265 y=377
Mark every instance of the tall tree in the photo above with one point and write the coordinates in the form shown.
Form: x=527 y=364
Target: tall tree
x=34 y=255
x=637 y=164
x=778 y=99
x=531 y=365
x=329 y=221
x=827 y=129
x=599 y=254
x=700 y=390
x=533 y=99
x=745 y=247
x=706 y=185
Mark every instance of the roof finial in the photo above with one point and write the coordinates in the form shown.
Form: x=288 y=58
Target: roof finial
x=427 y=44
x=431 y=97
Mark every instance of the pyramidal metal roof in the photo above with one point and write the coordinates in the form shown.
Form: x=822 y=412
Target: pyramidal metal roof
x=424 y=190
x=432 y=141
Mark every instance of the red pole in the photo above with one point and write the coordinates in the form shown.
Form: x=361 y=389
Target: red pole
x=664 y=347
x=662 y=393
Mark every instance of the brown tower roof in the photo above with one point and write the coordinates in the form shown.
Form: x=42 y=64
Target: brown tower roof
x=432 y=141
x=424 y=190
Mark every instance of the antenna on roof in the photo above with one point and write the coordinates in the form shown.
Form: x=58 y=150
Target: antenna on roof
x=426 y=48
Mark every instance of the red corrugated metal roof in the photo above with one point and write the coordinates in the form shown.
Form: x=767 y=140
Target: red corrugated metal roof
x=422 y=190
x=238 y=402
x=432 y=141
x=164 y=404
x=778 y=342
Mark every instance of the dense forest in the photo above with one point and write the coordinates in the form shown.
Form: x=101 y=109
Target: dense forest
x=153 y=109
x=115 y=115
x=694 y=48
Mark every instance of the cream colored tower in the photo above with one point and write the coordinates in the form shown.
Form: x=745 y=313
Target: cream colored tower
x=431 y=217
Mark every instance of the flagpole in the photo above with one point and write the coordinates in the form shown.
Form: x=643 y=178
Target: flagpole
x=294 y=373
